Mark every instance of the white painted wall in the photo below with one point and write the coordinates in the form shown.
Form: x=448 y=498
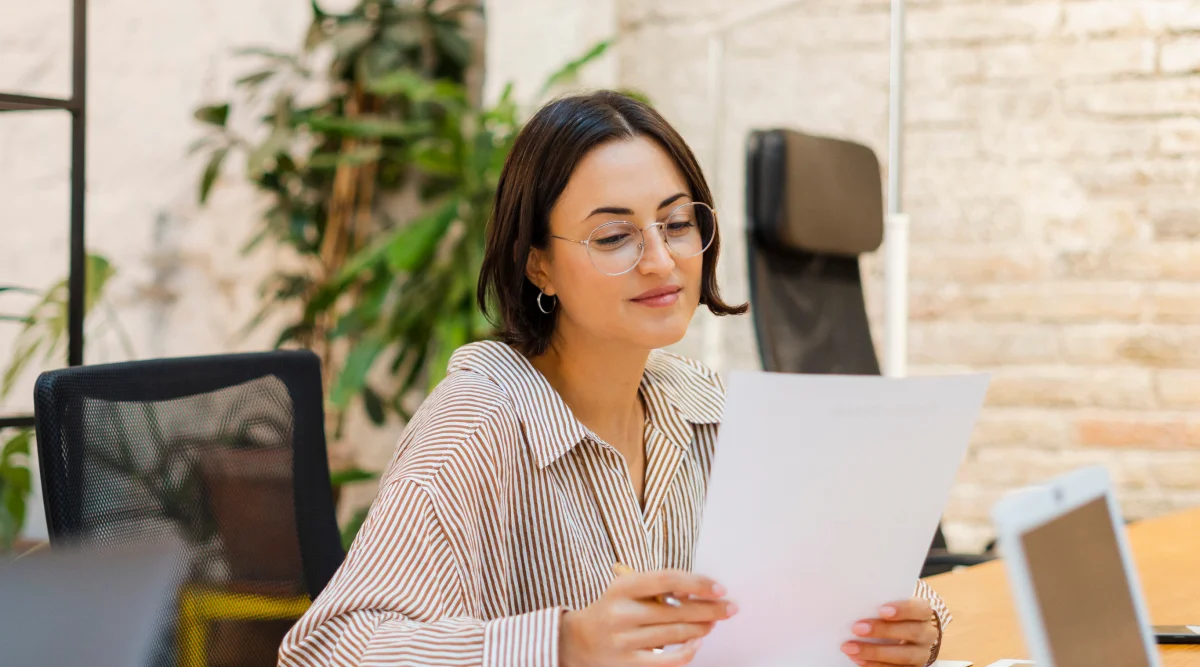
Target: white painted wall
x=182 y=287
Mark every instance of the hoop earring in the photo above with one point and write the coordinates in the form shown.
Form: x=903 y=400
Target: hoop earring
x=541 y=307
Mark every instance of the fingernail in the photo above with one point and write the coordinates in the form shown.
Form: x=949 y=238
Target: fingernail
x=861 y=629
x=695 y=643
x=858 y=661
x=718 y=590
x=887 y=611
x=731 y=609
x=850 y=648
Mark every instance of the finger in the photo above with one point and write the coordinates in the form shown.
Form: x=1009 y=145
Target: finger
x=675 y=657
x=662 y=582
x=888 y=654
x=652 y=636
x=913 y=609
x=914 y=632
x=692 y=611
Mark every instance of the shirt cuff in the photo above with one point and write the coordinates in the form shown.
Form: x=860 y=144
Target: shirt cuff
x=937 y=645
x=528 y=640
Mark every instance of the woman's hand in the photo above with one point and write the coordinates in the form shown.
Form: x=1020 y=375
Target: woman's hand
x=910 y=628
x=626 y=624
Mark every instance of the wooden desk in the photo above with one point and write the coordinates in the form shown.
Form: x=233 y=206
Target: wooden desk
x=1167 y=553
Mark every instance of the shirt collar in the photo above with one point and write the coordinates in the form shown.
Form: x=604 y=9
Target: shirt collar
x=676 y=390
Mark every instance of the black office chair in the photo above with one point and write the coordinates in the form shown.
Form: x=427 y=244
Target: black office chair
x=814 y=204
x=226 y=452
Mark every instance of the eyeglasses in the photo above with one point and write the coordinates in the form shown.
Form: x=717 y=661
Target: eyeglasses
x=616 y=247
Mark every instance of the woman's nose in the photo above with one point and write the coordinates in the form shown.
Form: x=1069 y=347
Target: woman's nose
x=656 y=255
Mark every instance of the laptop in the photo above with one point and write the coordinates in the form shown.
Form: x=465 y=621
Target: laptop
x=100 y=608
x=1073 y=581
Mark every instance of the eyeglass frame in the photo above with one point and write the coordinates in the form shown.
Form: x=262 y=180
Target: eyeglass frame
x=586 y=243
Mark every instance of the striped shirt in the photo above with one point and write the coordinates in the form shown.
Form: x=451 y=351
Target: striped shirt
x=499 y=511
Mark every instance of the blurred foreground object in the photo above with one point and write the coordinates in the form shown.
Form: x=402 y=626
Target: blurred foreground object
x=95 y=607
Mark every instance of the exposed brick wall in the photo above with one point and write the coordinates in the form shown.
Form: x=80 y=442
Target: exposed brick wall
x=1053 y=162
x=1053 y=180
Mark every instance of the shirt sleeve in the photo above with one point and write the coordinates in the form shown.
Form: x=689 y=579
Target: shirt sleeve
x=399 y=599
x=941 y=615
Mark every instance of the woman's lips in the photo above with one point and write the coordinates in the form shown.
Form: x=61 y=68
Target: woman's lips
x=660 y=297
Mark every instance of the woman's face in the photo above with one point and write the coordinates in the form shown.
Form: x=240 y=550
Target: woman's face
x=651 y=305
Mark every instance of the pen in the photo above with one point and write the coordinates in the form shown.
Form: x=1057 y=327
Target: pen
x=620 y=569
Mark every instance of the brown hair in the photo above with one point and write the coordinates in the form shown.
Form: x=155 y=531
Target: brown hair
x=543 y=157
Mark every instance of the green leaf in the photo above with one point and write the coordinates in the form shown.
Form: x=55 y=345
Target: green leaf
x=481 y=326
x=435 y=156
x=401 y=82
x=452 y=43
x=635 y=94
x=21 y=358
x=256 y=240
x=351 y=476
x=361 y=155
x=417 y=88
x=16 y=483
x=350 y=36
x=462 y=9
x=257 y=162
x=211 y=171
x=570 y=71
x=19 y=444
x=276 y=56
x=18 y=477
x=450 y=334
x=404 y=247
x=354 y=373
x=367 y=126
x=373 y=405
x=355 y=524
x=418 y=366
x=99 y=272
x=255 y=79
x=21 y=290
x=16 y=318
x=199 y=145
x=293 y=332
x=415 y=244
x=216 y=114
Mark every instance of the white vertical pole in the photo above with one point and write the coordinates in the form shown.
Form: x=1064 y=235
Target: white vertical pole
x=713 y=348
x=896 y=227
x=896 y=295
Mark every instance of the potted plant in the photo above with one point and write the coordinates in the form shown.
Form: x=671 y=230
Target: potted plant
x=43 y=332
x=381 y=183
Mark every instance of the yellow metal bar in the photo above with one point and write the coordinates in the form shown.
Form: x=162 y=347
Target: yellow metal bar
x=193 y=632
x=200 y=605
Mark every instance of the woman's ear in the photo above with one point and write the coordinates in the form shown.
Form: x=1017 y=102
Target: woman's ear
x=535 y=271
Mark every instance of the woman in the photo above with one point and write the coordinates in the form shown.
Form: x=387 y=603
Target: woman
x=572 y=447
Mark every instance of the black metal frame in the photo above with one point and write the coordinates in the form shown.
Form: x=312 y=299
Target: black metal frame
x=77 y=107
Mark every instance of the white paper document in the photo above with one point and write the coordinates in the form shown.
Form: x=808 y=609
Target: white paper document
x=825 y=493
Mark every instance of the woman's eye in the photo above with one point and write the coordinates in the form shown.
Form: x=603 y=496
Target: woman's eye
x=610 y=241
x=680 y=227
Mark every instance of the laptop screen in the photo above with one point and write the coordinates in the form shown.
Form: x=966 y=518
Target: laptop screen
x=1082 y=591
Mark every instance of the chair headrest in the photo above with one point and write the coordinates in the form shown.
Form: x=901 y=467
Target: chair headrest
x=813 y=194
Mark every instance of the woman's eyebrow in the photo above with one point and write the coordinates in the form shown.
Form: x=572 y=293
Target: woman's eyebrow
x=617 y=210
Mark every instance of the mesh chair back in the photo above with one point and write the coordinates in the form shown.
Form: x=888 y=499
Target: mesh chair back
x=226 y=453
